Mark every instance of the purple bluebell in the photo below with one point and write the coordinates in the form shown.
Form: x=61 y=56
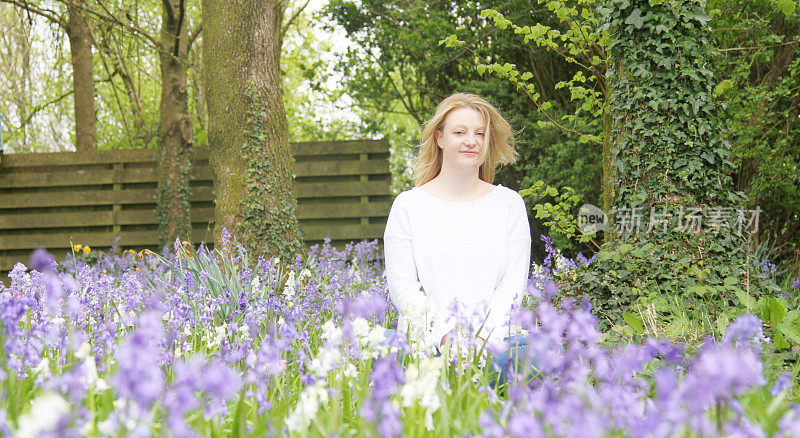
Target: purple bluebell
x=524 y=425
x=745 y=330
x=783 y=382
x=489 y=427
x=378 y=408
x=42 y=260
x=139 y=376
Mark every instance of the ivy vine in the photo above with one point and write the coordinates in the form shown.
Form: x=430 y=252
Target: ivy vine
x=273 y=232
x=669 y=154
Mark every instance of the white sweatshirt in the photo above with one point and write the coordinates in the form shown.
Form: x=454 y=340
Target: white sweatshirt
x=476 y=253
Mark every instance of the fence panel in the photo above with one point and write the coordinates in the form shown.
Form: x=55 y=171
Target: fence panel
x=54 y=199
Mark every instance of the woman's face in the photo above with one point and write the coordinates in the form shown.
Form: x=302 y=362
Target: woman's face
x=462 y=138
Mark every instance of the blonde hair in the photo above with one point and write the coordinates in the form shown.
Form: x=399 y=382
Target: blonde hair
x=498 y=139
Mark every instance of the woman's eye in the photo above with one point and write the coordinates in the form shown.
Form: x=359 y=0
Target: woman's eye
x=480 y=133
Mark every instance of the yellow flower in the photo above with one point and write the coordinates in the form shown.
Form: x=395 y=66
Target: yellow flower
x=77 y=247
x=138 y=270
x=131 y=251
x=104 y=271
x=87 y=250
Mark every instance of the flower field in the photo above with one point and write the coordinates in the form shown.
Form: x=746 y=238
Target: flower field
x=199 y=343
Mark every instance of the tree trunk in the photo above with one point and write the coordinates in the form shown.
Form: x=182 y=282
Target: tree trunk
x=82 y=79
x=247 y=128
x=676 y=228
x=175 y=132
x=198 y=87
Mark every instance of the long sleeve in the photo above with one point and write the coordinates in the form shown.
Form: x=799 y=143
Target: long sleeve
x=401 y=269
x=513 y=283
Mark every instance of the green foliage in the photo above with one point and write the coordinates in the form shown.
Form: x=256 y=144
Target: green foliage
x=668 y=151
x=757 y=72
x=397 y=68
x=665 y=114
x=313 y=106
x=787 y=7
x=762 y=115
x=576 y=39
x=36 y=83
x=579 y=44
x=557 y=216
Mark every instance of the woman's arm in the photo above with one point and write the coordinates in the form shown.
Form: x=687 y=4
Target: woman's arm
x=401 y=269
x=513 y=283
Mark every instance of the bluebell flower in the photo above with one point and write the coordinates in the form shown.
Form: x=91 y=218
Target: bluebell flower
x=42 y=260
x=783 y=382
x=745 y=330
x=524 y=425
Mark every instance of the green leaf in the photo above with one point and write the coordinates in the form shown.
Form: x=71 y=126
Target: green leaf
x=722 y=322
x=698 y=289
x=625 y=248
x=452 y=41
x=605 y=255
x=792 y=330
x=779 y=341
x=744 y=298
x=730 y=281
x=787 y=6
x=636 y=19
x=633 y=322
x=776 y=311
x=723 y=87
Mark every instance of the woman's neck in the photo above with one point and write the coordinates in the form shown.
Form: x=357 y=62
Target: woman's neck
x=457 y=186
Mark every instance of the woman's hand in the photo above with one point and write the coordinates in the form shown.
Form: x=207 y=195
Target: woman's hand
x=480 y=342
x=447 y=337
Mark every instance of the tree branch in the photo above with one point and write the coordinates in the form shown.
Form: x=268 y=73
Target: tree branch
x=291 y=20
x=193 y=37
x=110 y=18
x=181 y=15
x=166 y=4
x=41 y=107
x=46 y=13
x=758 y=47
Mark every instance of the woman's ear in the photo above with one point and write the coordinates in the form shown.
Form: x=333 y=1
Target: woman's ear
x=437 y=135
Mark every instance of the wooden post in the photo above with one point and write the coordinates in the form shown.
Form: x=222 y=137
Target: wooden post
x=364 y=199
x=1 y=137
x=116 y=207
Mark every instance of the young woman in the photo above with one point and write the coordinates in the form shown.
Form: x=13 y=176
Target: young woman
x=456 y=241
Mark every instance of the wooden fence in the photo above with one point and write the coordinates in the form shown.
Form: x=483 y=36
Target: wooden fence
x=53 y=199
